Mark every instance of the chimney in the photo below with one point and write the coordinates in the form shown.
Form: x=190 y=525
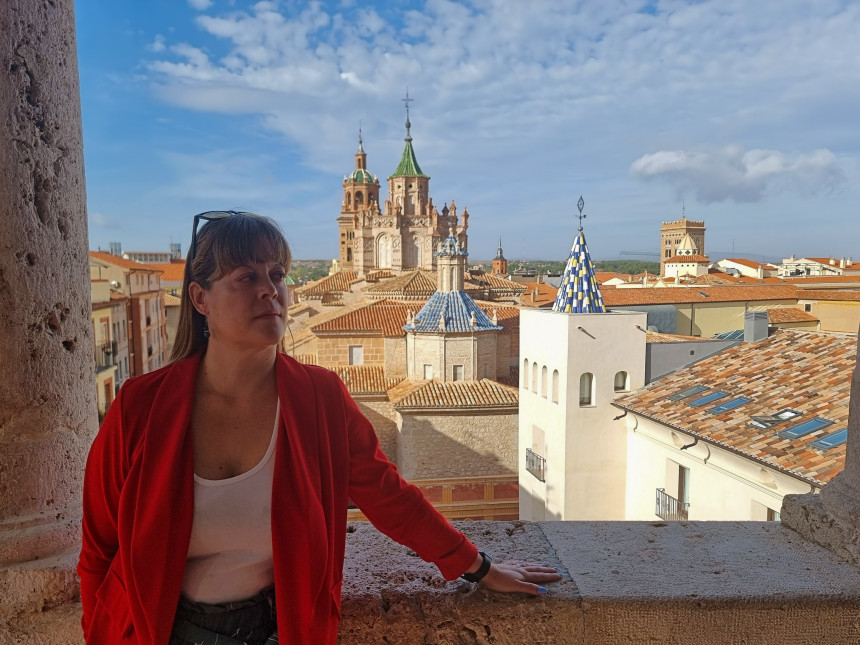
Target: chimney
x=842 y=263
x=755 y=326
x=760 y=271
x=832 y=261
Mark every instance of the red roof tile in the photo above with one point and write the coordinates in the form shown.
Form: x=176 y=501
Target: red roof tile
x=698 y=259
x=118 y=261
x=828 y=294
x=778 y=315
x=384 y=316
x=683 y=295
x=172 y=271
x=337 y=282
x=364 y=379
x=459 y=394
x=807 y=371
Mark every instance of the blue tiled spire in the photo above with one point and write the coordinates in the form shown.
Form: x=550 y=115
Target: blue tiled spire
x=579 y=291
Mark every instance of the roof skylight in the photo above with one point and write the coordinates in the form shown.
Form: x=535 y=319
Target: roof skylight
x=766 y=421
x=810 y=425
x=829 y=441
x=690 y=391
x=730 y=405
x=708 y=398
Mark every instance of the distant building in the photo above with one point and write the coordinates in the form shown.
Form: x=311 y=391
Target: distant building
x=687 y=261
x=405 y=233
x=500 y=264
x=671 y=235
x=802 y=267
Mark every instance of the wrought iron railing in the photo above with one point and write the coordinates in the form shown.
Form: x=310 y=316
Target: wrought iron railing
x=105 y=355
x=669 y=508
x=536 y=464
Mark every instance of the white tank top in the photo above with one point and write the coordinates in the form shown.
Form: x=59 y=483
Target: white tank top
x=230 y=553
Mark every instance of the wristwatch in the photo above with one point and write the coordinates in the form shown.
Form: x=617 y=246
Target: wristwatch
x=483 y=570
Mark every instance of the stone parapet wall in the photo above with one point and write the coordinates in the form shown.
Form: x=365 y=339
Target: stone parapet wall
x=681 y=583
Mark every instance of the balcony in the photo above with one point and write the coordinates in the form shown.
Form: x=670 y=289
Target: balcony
x=669 y=508
x=105 y=356
x=536 y=464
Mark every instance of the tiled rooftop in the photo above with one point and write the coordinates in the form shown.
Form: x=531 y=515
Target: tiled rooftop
x=415 y=284
x=172 y=301
x=364 y=379
x=384 y=316
x=544 y=297
x=777 y=315
x=121 y=262
x=172 y=271
x=805 y=371
x=459 y=394
x=659 y=337
x=452 y=311
x=828 y=294
x=337 y=282
x=824 y=279
x=682 y=295
x=698 y=259
x=752 y=264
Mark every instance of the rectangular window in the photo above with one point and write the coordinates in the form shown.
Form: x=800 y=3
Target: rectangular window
x=458 y=372
x=773 y=516
x=356 y=354
x=687 y=393
x=428 y=372
x=708 y=398
x=807 y=307
x=829 y=441
x=729 y=405
x=816 y=423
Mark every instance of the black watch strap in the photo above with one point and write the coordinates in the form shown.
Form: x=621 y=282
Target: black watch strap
x=483 y=570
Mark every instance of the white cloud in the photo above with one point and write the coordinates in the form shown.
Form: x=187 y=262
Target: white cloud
x=732 y=174
x=200 y=5
x=157 y=45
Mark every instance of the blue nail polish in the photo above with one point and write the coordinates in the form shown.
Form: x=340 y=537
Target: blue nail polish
x=541 y=590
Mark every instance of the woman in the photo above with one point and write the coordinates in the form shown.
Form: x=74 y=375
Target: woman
x=216 y=491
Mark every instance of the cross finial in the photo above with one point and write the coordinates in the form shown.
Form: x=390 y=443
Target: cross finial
x=407 y=101
x=580 y=205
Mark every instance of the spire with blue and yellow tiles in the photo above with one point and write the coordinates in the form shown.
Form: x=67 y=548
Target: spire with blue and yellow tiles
x=579 y=291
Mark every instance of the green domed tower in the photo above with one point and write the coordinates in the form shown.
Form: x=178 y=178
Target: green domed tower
x=360 y=195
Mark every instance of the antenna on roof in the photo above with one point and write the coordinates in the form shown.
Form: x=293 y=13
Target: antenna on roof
x=580 y=205
x=407 y=100
x=683 y=209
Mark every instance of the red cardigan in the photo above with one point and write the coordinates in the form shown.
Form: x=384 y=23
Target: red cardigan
x=139 y=496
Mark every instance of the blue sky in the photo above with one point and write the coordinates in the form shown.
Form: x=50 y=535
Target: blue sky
x=744 y=112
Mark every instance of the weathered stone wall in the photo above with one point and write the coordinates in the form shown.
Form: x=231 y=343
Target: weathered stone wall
x=383 y=417
x=47 y=398
x=435 y=446
x=395 y=357
x=334 y=350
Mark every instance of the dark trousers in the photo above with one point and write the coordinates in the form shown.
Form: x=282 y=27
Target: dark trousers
x=244 y=622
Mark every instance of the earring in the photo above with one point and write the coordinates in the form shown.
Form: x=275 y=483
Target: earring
x=205 y=328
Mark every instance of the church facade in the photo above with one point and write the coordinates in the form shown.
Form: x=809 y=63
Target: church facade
x=404 y=233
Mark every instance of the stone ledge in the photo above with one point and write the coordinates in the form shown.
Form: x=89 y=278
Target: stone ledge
x=692 y=583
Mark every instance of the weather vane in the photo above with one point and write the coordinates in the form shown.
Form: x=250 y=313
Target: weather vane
x=580 y=205
x=407 y=100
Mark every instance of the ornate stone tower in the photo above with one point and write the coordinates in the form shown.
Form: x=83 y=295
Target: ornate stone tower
x=405 y=235
x=671 y=234
x=360 y=194
x=500 y=264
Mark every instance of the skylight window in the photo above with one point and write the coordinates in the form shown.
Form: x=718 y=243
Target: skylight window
x=831 y=440
x=813 y=424
x=687 y=393
x=708 y=398
x=730 y=405
x=766 y=421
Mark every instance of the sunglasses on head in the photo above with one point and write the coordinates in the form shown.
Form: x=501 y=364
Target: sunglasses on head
x=209 y=216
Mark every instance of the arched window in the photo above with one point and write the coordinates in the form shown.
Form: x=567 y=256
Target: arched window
x=622 y=383
x=525 y=373
x=348 y=200
x=555 y=386
x=359 y=198
x=543 y=381
x=534 y=377
x=586 y=389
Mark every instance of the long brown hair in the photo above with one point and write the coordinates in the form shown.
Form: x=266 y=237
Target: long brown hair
x=220 y=246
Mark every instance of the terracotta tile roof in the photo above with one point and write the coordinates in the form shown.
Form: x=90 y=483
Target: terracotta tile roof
x=298 y=308
x=777 y=315
x=376 y=276
x=337 y=282
x=513 y=380
x=364 y=379
x=172 y=301
x=659 y=337
x=415 y=284
x=383 y=316
x=824 y=279
x=544 y=297
x=683 y=295
x=828 y=294
x=118 y=261
x=806 y=371
x=115 y=295
x=459 y=394
x=493 y=283
x=307 y=359
x=508 y=317
x=698 y=259
x=172 y=271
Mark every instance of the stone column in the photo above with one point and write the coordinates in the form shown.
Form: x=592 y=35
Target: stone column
x=832 y=518
x=47 y=385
